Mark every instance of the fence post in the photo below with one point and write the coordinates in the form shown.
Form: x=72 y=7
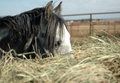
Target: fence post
x=114 y=25
x=91 y=27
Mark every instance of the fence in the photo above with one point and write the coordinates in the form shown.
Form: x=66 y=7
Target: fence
x=92 y=25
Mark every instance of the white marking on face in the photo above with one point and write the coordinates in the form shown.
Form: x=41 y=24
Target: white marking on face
x=65 y=46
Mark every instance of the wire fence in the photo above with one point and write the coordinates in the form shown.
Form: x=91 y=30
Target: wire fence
x=90 y=23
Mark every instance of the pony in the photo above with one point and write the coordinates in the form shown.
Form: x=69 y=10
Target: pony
x=42 y=30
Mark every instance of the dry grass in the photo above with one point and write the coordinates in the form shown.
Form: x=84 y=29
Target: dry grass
x=94 y=60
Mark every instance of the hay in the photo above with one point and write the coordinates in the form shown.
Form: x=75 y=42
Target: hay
x=94 y=60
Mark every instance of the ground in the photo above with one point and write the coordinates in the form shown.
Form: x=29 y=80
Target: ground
x=94 y=60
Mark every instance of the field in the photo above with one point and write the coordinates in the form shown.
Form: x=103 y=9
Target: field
x=83 y=28
x=94 y=60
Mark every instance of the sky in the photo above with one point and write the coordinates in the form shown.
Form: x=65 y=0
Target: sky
x=13 y=7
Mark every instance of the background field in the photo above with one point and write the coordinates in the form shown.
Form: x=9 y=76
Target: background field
x=82 y=25
x=79 y=29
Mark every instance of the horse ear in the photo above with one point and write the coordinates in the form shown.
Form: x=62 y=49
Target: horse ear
x=48 y=8
x=58 y=9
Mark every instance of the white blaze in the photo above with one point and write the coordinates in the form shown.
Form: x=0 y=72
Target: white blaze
x=65 y=46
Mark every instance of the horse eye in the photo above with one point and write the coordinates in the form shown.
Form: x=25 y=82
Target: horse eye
x=42 y=34
x=58 y=43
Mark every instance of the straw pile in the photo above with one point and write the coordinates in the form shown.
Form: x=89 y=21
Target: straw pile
x=94 y=60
